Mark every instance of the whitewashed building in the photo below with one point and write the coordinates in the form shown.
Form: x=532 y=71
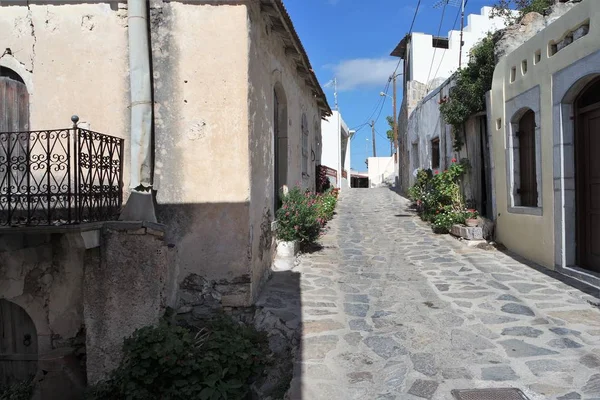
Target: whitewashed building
x=428 y=61
x=335 y=154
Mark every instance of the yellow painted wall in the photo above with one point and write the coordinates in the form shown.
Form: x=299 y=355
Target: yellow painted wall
x=534 y=236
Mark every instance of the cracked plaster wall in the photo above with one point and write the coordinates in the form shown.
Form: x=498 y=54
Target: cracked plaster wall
x=43 y=273
x=74 y=60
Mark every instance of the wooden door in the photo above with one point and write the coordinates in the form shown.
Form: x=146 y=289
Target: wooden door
x=18 y=344
x=527 y=172
x=588 y=188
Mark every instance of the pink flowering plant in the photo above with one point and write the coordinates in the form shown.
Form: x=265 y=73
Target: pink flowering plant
x=299 y=219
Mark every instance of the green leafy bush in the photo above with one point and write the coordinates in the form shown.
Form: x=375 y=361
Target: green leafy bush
x=467 y=96
x=17 y=391
x=326 y=206
x=171 y=362
x=438 y=196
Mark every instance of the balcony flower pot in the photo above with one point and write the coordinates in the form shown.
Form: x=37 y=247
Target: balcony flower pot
x=285 y=255
x=471 y=222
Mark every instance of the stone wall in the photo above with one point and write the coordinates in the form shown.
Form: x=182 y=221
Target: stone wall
x=43 y=274
x=127 y=287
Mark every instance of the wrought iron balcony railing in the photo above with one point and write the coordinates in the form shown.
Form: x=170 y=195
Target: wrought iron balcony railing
x=58 y=177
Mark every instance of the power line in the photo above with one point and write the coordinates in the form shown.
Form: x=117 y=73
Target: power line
x=437 y=36
x=445 y=50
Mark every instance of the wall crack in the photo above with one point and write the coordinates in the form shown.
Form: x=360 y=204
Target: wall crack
x=32 y=25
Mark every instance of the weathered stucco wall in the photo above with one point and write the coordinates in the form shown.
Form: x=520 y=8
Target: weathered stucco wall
x=269 y=65
x=127 y=288
x=200 y=58
x=544 y=234
x=43 y=274
x=74 y=60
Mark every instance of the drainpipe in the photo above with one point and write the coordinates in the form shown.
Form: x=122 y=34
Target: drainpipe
x=140 y=205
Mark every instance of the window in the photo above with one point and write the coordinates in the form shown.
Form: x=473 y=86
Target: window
x=524 y=162
x=304 y=146
x=538 y=56
x=524 y=67
x=513 y=74
x=435 y=153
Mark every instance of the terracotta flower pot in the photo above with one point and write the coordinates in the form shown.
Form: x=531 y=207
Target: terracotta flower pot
x=472 y=222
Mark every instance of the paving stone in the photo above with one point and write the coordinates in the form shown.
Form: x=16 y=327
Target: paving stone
x=505 y=277
x=320 y=311
x=465 y=304
x=468 y=295
x=322 y=325
x=359 y=325
x=357 y=298
x=541 y=367
x=424 y=363
x=385 y=347
x=456 y=373
x=465 y=340
x=494 y=319
x=590 y=361
x=423 y=389
x=518 y=348
x=565 y=331
x=499 y=373
x=498 y=285
x=592 y=387
x=318 y=347
x=509 y=297
x=356 y=377
x=564 y=343
x=514 y=308
x=522 y=331
x=570 y=396
x=353 y=338
x=356 y=310
x=443 y=287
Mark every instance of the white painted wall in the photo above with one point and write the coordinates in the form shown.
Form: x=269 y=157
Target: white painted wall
x=381 y=171
x=336 y=146
x=422 y=52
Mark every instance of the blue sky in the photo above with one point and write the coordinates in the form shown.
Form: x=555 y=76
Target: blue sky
x=352 y=39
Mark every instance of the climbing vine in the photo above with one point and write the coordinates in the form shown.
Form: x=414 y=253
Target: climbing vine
x=467 y=96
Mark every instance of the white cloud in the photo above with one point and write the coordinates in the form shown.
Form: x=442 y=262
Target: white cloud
x=363 y=72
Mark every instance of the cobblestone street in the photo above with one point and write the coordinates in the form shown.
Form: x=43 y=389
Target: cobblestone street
x=389 y=310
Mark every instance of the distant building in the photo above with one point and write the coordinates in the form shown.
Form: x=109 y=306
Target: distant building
x=381 y=171
x=335 y=154
x=428 y=62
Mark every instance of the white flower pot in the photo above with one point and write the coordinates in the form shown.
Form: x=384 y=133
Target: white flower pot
x=285 y=256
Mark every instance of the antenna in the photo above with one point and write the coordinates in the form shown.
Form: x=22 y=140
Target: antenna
x=453 y=3
x=461 y=4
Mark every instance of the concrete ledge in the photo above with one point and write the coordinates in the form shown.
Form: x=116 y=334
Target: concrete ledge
x=467 y=232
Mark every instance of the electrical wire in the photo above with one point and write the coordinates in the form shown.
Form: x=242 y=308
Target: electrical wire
x=437 y=36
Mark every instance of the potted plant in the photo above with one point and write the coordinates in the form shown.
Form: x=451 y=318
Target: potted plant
x=471 y=217
x=298 y=222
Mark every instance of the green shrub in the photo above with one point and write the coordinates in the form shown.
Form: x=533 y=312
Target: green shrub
x=326 y=206
x=171 y=362
x=438 y=196
x=17 y=391
x=298 y=217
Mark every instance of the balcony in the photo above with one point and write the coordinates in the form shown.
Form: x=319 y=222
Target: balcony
x=59 y=177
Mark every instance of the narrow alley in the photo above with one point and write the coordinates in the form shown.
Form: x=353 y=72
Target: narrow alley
x=389 y=310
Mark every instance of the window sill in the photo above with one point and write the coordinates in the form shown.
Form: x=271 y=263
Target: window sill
x=536 y=211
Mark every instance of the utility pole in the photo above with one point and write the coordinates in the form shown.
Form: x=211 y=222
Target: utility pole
x=462 y=27
x=395 y=111
x=373 y=134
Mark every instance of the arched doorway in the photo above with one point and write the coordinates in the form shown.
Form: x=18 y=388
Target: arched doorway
x=280 y=141
x=14 y=102
x=587 y=176
x=18 y=344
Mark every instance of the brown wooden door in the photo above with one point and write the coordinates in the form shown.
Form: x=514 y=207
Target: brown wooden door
x=527 y=171
x=588 y=189
x=18 y=344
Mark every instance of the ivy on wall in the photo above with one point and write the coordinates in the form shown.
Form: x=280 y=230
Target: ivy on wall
x=467 y=96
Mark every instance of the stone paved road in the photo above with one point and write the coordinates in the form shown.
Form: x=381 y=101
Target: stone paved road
x=388 y=310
